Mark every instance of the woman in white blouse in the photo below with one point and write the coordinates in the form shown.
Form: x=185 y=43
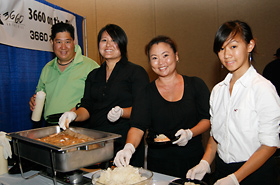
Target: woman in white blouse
x=245 y=116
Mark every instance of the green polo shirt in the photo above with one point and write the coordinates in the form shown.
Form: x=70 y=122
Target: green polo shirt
x=64 y=89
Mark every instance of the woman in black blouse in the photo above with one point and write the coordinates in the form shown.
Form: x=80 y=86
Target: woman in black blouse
x=111 y=89
x=173 y=105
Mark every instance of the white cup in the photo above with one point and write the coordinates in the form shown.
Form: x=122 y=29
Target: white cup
x=40 y=100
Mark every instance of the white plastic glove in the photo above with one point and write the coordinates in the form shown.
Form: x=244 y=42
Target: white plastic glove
x=228 y=180
x=123 y=156
x=185 y=136
x=4 y=141
x=115 y=113
x=66 y=118
x=199 y=170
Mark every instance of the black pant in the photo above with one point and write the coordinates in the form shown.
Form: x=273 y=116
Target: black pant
x=265 y=175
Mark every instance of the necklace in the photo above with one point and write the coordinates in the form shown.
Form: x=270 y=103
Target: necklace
x=64 y=64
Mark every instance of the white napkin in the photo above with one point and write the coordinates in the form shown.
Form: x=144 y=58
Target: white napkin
x=4 y=141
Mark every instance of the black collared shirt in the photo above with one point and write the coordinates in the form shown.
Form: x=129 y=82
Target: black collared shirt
x=120 y=90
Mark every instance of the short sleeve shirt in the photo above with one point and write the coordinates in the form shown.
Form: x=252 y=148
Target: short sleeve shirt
x=151 y=111
x=64 y=89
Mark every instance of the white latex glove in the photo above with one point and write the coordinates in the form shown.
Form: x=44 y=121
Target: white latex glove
x=199 y=170
x=115 y=113
x=123 y=156
x=185 y=136
x=66 y=118
x=228 y=180
x=4 y=141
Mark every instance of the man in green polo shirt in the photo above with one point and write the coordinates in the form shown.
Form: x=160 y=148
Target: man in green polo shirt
x=63 y=78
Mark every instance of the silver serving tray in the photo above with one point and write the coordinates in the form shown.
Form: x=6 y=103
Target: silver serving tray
x=68 y=158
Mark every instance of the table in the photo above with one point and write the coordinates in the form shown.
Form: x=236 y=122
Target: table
x=16 y=179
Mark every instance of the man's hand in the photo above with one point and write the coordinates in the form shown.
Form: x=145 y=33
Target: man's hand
x=32 y=102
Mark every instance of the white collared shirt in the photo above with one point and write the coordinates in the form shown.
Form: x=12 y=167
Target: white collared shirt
x=246 y=119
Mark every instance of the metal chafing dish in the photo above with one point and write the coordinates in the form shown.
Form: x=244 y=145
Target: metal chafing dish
x=63 y=159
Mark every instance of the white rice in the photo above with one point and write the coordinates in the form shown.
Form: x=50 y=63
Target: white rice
x=120 y=175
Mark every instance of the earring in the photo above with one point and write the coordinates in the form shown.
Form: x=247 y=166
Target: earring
x=250 y=57
x=222 y=66
x=178 y=61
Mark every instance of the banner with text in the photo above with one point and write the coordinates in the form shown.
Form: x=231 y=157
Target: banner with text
x=27 y=23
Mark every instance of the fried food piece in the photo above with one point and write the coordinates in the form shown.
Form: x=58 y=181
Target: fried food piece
x=65 y=138
x=161 y=138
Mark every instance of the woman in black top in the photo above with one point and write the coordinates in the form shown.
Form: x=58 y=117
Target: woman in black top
x=173 y=104
x=111 y=89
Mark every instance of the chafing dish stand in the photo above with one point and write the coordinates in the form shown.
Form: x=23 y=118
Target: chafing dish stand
x=62 y=159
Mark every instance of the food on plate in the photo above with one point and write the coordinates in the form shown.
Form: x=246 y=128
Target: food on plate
x=120 y=175
x=161 y=138
x=65 y=138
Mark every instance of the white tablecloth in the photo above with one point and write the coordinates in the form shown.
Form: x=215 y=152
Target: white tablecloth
x=16 y=179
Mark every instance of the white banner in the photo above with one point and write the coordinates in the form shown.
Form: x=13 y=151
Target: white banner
x=27 y=23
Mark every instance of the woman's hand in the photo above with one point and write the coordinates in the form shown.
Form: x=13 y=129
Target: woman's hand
x=66 y=118
x=199 y=170
x=185 y=136
x=228 y=180
x=123 y=156
x=115 y=113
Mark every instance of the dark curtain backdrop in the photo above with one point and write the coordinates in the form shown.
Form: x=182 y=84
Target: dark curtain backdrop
x=20 y=70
